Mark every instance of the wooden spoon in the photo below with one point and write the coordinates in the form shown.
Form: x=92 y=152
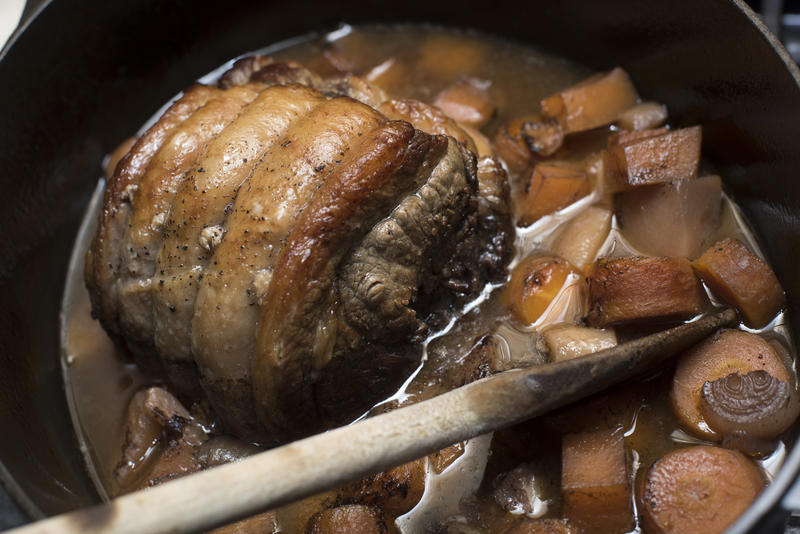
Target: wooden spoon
x=279 y=476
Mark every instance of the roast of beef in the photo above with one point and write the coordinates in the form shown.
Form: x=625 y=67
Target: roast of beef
x=282 y=244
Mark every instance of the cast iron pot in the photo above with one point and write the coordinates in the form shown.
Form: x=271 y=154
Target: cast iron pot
x=81 y=76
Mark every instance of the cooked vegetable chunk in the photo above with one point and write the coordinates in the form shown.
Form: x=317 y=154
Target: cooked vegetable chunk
x=688 y=208
x=623 y=137
x=728 y=351
x=583 y=236
x=519 y=140
x=594 y=102
x=698 y=490
x=743 y=280
x=643 y=116
x=486 y=358
x=516 y=491
x=450 y=56
x=672 y=156
x=756 y=403
x=395 y=491
x=567 y=341
x=635 y=289
x=595 y=482
x=534 y=284
x=468 y=102
x=551 y=186
x=347 y=520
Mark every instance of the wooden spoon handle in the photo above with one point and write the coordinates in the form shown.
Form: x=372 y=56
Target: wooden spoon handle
x=270 y=479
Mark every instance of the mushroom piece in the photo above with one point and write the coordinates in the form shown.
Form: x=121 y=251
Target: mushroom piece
x=516 y=492
x=756 y=403
x=221 y=450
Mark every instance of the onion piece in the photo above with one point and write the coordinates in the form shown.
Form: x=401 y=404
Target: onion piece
x=756 y=403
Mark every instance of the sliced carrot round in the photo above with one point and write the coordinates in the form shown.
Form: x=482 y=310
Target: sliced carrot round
x=728 y=351
x=698 y=490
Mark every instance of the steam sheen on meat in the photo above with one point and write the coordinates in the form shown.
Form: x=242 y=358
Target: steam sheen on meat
x=278 y=245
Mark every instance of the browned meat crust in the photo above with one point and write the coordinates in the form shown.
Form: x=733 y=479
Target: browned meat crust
x=283 y=250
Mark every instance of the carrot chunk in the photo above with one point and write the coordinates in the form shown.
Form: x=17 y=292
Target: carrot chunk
x=595 y=481
x=635 y=289
x=689 y=208
x=520 y=139
x=534 y=284
x=594 y=102
x=551 y=186
x=698 y=490
x=468 y=102
x=390 y=75
x=726 y=352
x=743 y=280
x=624 y=137
x=449 y=56
x=674 y=155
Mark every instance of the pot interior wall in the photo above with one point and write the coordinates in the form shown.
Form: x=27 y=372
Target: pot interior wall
x=84 y=75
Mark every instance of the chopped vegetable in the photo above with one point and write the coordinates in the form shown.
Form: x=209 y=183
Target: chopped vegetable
x=451 y=56
x=347 y=519
x=635 y=289
x=395 y=491
x=756 y=403
x=688 y=208
x=389 y=75
x=487 y=357
x=743 y=280
x=541 y=526
x=750 y=445
x=142 y=434
x=698 y=490
x=482 y=142
x=567 y=341
x=623 y=137
x=550 y=187
x=519 y=140
x=534 y=284
x=468 y=102
x=643 y=116
x=672 y=156
x=516 y=492
x=595 y=482
x=726 y=352
x=594 y=102
x=583 y=236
